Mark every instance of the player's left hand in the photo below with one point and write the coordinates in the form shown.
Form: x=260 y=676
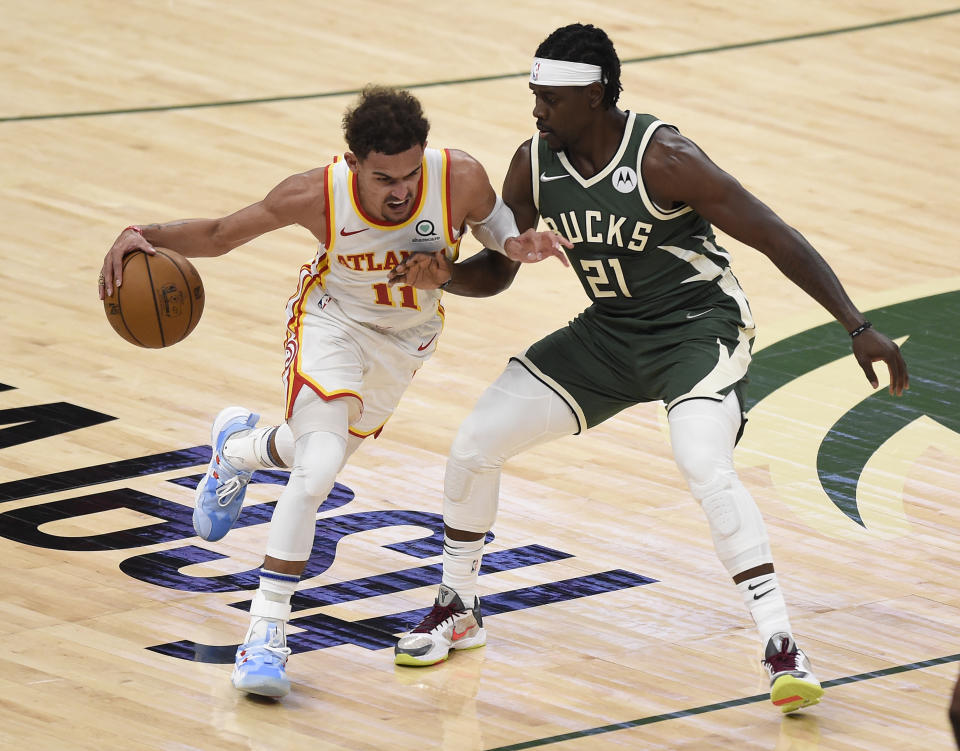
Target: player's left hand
x=871 y=346
x=422 y=270
x=533 y=246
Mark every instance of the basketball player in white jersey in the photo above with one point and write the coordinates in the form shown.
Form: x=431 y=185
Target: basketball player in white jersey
x=353 y=341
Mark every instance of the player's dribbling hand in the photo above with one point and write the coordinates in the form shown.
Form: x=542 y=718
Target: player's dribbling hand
x=422 y=270
x=533 y=246
x=112 y=270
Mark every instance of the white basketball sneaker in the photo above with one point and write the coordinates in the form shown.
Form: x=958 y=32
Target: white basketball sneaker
x=448 y=625
x=219 y=495
x=260 y=666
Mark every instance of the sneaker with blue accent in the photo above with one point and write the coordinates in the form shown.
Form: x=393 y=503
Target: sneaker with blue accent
x=260 y=667
x=220 y=493
x=792 y=682
x=448 y=625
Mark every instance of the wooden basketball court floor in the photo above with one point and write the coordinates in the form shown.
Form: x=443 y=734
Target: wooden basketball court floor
x=611 y=623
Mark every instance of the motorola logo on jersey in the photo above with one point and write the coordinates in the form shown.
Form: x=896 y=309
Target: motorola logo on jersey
x=625 y=179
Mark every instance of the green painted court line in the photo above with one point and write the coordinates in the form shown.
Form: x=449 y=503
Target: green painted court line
x=718 y=706
x=481 y=79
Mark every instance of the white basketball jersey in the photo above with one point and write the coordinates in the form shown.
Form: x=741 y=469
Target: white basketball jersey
x=353 y=263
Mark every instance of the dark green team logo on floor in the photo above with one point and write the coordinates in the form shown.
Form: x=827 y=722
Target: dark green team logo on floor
x=932 y=353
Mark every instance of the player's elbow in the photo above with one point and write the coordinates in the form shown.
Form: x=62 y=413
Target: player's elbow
x=954 y=714
x=505 y=272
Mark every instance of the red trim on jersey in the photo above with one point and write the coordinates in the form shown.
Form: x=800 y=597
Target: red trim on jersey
x=448 y=200
x=375 y=432
x=293 y=376
x=328 y=206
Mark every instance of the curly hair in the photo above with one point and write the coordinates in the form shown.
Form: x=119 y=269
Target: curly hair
x=385 y=120
x=585 y=43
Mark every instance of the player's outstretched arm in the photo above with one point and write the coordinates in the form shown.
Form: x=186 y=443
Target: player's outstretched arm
x=495 y=224
x=677 y=170
x=295 y=200
x=529 y=246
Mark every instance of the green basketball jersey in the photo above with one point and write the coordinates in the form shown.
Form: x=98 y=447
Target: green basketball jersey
x=635 y=259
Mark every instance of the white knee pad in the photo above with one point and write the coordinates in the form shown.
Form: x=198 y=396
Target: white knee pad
x=736 y=525
x=318 y=458
x=515 y=413
x=703 y=434
x=471 y=492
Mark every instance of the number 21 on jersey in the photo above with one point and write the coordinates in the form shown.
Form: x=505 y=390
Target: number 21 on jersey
x=596 y=275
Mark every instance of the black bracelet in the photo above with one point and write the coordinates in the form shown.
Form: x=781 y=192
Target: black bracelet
x=860 y=329
x=446 y=283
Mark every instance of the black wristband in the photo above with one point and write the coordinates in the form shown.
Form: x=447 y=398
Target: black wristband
x=860 y=329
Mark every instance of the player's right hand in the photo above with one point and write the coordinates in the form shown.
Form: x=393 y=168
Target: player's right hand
x=533 y=246
x=112 y=270
x=422 y=270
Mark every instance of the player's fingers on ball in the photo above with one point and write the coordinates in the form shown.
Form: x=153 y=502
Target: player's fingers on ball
x=117 y=274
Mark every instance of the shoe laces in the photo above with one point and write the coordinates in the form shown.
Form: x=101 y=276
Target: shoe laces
x=437 y=615
x=227 y=489
x=273 y=645
x=281 y=653
x=785 y=659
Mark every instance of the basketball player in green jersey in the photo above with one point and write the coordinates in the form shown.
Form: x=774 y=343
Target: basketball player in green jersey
x=668 y=321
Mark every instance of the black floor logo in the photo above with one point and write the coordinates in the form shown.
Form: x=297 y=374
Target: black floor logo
x=317 y=630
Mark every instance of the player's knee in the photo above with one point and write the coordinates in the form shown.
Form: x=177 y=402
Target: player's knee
x=319 y=459
x=316 y=484
x=475 y=447
x=699 y=462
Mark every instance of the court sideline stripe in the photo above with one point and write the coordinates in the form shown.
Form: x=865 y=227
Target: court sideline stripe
x=719 y=705
x=482 y=79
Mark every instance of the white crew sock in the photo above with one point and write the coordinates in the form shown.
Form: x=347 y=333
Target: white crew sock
x=271 y=604
x=249 y=450
x=764 y=599
x=461 y=567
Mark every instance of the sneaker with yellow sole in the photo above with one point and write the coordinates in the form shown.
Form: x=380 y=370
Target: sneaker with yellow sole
x=792 y=682
x=448 y=625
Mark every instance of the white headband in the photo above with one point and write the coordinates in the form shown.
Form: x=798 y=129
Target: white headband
x=546 y=72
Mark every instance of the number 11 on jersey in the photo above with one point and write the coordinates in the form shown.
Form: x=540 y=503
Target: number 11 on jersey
x=384 y=295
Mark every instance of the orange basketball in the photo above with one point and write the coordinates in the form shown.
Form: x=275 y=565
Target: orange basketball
x=160 y=300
